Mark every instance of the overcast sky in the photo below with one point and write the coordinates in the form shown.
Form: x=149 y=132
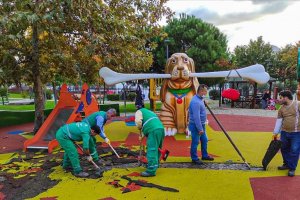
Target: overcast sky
x=278 y=21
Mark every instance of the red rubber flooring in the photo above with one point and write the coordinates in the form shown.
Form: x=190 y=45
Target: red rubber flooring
x=242 y=123
x=277 y=187
x=13 y=142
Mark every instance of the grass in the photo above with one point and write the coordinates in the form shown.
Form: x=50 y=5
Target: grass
x=15 y=96
x=131 y=107
x=49 y=105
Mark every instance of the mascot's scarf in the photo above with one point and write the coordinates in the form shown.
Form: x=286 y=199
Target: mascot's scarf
x=181 y=92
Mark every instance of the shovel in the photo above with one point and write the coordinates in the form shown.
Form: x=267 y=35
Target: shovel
x=99 y=171
x=114 y=150
x=226 y=134
x=140 y=153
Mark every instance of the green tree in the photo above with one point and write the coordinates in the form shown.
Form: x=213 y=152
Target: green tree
x=199 y=40
x=257 y=51
x=43 y=40
x=287 y=64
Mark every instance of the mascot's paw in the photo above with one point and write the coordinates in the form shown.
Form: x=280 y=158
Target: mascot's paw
x=170 y=131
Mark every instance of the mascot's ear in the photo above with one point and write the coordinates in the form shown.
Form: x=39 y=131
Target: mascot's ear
x=195 y=80
x=192 y=65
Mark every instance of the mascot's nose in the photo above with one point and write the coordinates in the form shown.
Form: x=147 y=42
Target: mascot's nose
x=180 y=67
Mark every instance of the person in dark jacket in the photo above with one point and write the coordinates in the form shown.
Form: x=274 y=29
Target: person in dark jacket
x=265 y=98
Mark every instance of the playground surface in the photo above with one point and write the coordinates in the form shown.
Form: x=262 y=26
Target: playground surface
x=38 y=175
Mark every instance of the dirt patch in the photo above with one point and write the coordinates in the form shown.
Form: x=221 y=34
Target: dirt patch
x=23 y=177
x=28 y=186
x=33 y=179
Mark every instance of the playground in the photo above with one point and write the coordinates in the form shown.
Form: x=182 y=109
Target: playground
x=38 y=174
x=186 y=56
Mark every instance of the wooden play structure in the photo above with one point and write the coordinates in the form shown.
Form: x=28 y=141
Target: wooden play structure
x=154 y=93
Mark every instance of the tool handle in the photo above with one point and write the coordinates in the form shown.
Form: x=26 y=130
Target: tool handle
x=95 y=165
x=114 y=151
x=227 y=135
x=140 y=152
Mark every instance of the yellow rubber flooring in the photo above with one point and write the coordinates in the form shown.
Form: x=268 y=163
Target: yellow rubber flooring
x=191 y=183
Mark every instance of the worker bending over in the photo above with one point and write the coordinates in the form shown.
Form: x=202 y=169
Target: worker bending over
x=100 y=118
x=75 y=132
x=151 y=127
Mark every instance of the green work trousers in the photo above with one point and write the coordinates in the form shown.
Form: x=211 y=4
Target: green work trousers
x=92 y=148
x=154 y=141
x=71 y=157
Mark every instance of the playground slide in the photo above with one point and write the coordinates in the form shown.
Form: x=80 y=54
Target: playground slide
x=66 y=111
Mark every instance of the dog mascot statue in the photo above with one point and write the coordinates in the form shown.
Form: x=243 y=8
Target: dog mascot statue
x=177 y=92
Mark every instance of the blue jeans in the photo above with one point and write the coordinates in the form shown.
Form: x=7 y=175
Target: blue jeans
x=195 y=142
x=264 y=103
x=290 y=148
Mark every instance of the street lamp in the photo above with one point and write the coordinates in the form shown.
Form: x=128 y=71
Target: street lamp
x=167 y=49
x=268 y=64
x=124 y=93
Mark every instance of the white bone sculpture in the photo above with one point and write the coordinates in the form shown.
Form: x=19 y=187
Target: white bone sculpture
x=174 y=113
x=255 y=73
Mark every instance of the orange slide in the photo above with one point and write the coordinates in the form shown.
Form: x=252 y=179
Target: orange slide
x=67 y=110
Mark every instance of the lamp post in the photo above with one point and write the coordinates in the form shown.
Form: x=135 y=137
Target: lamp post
x=268 y=61
x=268 y=68
x=167 y=49
x=124 y=93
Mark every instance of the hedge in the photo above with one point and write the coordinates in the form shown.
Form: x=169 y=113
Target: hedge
x=113 y=97
x=106 y=107
x=9 y=118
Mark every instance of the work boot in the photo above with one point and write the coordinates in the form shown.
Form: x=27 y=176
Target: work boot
x=67 y=168
x=197 y=162
x=146 y=174
x=209 y=158
x=291 y=173
x=283 y=167
x=82 y=174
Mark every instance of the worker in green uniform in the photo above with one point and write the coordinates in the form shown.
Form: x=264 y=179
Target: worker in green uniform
x=99 y=119
x=70 y=133
x=151 y=127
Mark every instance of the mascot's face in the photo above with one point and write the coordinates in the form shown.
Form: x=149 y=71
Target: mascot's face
x=179 y=65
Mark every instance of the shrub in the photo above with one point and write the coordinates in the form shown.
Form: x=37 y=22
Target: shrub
x=131 y=96
x=214 y=94
x=48 y=94
x=113 y=97
x=3 y=92
x=106 y=107
x=24 y=94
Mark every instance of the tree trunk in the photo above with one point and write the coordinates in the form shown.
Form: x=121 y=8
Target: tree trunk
x=37 y=83
x=54 y=92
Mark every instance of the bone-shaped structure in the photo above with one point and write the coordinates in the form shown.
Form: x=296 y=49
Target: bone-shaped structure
x=179 y=86
x=255 y=73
